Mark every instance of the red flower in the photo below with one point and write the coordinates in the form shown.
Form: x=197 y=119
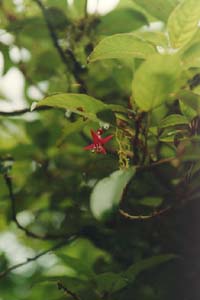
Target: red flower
x=98 y=142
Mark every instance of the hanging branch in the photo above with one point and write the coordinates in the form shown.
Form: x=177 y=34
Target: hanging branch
x=8 y=181
x=67 y=57
x=67 y=291
x=34 y=258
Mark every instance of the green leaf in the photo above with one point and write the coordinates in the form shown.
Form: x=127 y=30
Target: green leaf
x=121 y=21
x=150 y=201
x=156 y=38
x=41 y=69
x=183 y=23
x=85 y=106
x=71 y=128
x=191 y=152
x=122 y=46
x=107 y=116
x=187 y=111
x=62 y=4
x=173 y=120
x=112 y=282
x=79 y=6
x=108 y=192
x=78 y=103
x=57 y=18
x=145 y=264
x=77 y=265
x=191 y=57
x=32 y=27
x=109 y=282
x=7 y=63
x=190 y=99
x=159 y=8
x=155 y=80
x=168 y=135
x=49 y=279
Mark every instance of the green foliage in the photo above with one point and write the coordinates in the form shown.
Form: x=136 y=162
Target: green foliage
x=108 y=192
x=78 y=224
x=121 y=46
x=183 y=23
x=155 y=80
x=121 y=21
x=173 y=120
x=159 y=9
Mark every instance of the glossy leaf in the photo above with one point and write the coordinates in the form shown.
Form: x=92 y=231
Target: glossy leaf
x=183 y=23
x=108 y=192
x=190 y=99
x=121 y=21
x=157 y=38
x=155 y=80
x=78 y=103
x=173 y=120
x=191 y=57
x=159 y=8
x=122 y=46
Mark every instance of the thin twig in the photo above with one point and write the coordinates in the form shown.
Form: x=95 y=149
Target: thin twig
x=19 y=112
x=157 y=163
x=144 y=217
x=29 y=260
x=67 y=291
x=146 y=132
x=29 y=233
x=136 y=139
x=14 y=112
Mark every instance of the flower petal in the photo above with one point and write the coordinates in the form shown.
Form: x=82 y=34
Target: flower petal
x=89 y=147
x=106 y=139
x=103 y=150
x=96 y=138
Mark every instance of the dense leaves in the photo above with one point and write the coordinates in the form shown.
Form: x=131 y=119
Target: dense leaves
x=118 y=223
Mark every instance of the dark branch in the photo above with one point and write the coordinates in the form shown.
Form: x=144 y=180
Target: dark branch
x=29 y=260
x=136 y=141
x=14 y=112
x=22 y=111
x=67 y=291
x=29 y=233
x=67 y=58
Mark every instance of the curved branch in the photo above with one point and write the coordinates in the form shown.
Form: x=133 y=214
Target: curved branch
x=144 y=217
x=67 y=57
x=29 y=233
x=14 y=112
x=29 y=260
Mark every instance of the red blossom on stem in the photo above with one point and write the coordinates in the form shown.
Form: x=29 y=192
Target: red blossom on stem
x=98 y=142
